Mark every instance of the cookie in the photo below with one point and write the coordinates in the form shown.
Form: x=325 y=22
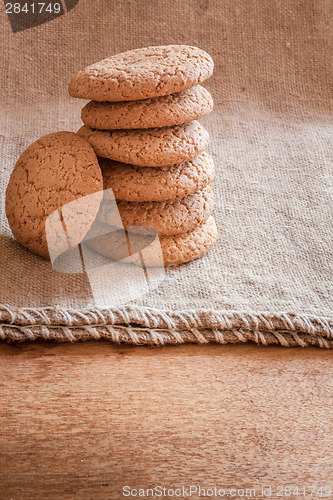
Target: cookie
x=153 y=147
x=166 y=111
x=165 y=217
x=142 y=74
x=56 y=169
x=131 y=183
x=176 y=249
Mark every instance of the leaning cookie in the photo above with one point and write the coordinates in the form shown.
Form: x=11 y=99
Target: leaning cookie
x=165 y=217
x=54 y=171
x=165 y=111
x=153 y=147
x=132 y=183
x=176 y=249
x=142 y=74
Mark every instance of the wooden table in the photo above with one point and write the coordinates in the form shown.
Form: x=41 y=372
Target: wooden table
x=83 y=421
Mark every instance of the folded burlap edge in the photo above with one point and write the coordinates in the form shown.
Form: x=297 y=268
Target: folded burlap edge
x=151 y=327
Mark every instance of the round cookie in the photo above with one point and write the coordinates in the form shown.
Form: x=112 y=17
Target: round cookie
x=55 y=170
x=131 y=183
x=176 y=249
x=153 y=147
x=164 y=111
x=165 y=217
x=143 y=73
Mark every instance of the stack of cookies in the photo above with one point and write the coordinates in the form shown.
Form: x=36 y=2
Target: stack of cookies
x=141 y=122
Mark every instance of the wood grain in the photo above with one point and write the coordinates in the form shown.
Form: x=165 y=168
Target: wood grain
x=84 y=420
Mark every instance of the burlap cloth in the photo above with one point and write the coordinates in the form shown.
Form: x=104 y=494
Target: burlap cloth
x=269 y=278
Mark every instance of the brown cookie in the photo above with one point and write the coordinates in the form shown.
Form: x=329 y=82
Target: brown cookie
x=131 y=183
x=165 y=217
x=176 y=249
x=142 y=74
x=56 y=169
x=165 y=111
x=153 y=147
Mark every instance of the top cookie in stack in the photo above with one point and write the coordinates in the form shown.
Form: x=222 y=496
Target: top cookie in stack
x=141 y=122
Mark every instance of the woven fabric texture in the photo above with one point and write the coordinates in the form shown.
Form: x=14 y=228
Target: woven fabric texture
x=269 y=277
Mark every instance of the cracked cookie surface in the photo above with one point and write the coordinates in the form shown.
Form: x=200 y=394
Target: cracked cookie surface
x=132 y=183
x=55 y=170
x=166 y=111
x=176 y=249
x=142 y=74
x=165 y=217
x=153 y=147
